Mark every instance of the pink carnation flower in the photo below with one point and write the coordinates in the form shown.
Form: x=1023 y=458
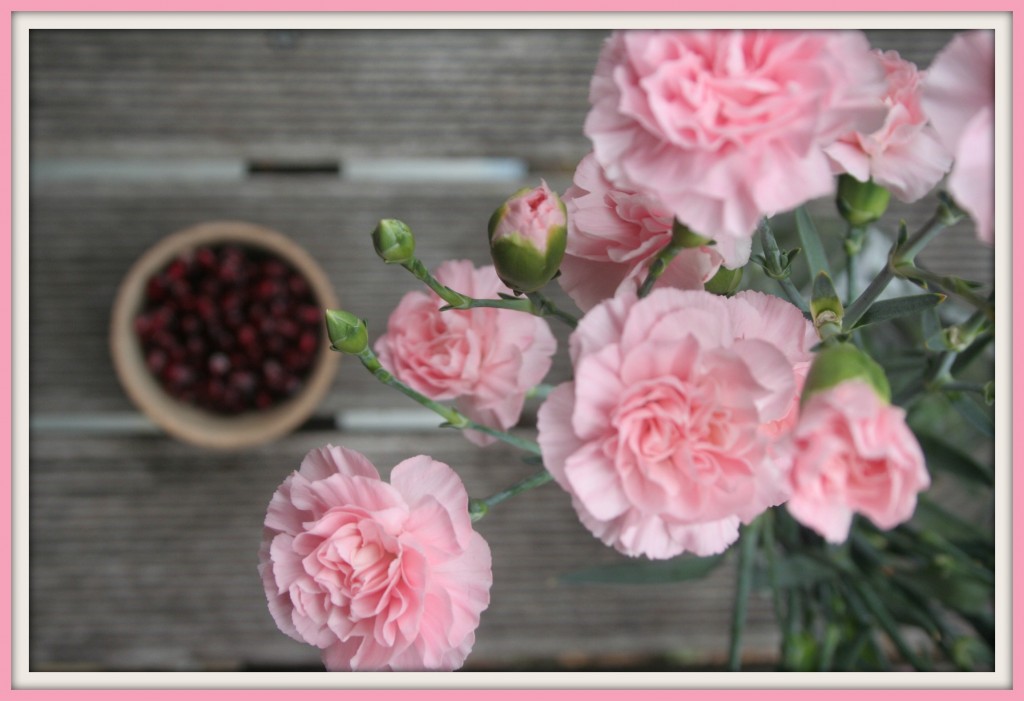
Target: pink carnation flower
x=905 y=154
x=663 y=439
x=379 y=576
x=614 y=234
x=725 y=127
x=485 y=359
x=852 y=453
x=959 y=99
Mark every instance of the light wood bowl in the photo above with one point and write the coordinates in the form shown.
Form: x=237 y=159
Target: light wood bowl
x=184 y=421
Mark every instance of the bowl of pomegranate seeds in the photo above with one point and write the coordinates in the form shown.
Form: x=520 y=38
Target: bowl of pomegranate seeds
x=217 y=334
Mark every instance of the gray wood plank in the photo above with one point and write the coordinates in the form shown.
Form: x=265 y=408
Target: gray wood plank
x=340 y=93
x=143 y=557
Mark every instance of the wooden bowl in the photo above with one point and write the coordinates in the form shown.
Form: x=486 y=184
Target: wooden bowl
x=190 y=423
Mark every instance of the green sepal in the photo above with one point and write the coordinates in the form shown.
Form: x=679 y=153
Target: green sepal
x=346 y=331
x=725 y=282
x=861 y=203
x=840 y=362
x=393 y=241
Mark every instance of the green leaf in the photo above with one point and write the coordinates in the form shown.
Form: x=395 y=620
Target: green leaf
x=929 y=516
x=939 y=455
x=817 y=261
x=643 y=572
x=795 y=571
x=975 y=415
x=901 y=306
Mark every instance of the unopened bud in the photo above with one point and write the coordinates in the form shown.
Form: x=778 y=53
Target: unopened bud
x=860 y=203
x=841 y=362
x=393 y=241
x=346 y=331
x=527 y=235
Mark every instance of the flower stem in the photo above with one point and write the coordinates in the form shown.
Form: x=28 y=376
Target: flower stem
x=659 y=265
x=420 y=272
x=902 y=254
x=534 y=303
x=946 y=283
x=745 y=575
x=479 y=508
x=453 y=418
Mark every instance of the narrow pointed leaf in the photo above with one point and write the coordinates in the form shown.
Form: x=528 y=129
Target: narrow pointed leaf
x=976 y=416
x=643 y=572
x=810 y=240
x=894 y=308
x=939 y=455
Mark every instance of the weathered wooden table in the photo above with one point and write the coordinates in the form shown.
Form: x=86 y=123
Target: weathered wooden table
x=143 y=549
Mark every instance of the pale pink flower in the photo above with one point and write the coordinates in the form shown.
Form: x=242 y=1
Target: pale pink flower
x=378 y=576
x=484 y=359
x=959 y=99
x=527 y=236
x=853 y=453
x=725 y=127
x=663 y=438
x=905 y=155
x=614 y=234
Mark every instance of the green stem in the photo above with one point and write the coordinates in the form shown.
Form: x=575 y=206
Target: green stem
x=452 y=417
x=791 y=292
x=852 y=246
x=946 y=215
x=745 y=576
x=659 y=265
x=534 y=303
x=479 y=508
x=420 y=272
x=545 y=307
x=948 y=284
x=773 y=576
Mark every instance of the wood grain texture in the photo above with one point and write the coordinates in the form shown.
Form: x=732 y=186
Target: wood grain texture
x=143 y=549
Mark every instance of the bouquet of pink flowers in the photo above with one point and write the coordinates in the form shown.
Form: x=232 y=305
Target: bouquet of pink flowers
x=797 y=427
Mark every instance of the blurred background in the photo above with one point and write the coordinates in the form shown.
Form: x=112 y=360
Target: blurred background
x=143 y=548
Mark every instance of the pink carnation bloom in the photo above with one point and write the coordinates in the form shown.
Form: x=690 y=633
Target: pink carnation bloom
x=614 y=234
x=725 y=127
x=852 y=453
x=959 y=99
x=905 y=154
x=379 y=576
x=663 y=438
x=485 y=359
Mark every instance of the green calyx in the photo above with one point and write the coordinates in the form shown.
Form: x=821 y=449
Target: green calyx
x=826 y=307
x=346 y=331
x=861 y=203
x=725 y=282
x=524 y=268
x=393 y=241
x=520 y=264
x=842 y=362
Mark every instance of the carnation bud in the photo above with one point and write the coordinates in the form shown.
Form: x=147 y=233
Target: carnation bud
x=841 y=362
x=725 y=282
x=393 y=241
x=346 y=331
x=527 y=235
x=861 y=203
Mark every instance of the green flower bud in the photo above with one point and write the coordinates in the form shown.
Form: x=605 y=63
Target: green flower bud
x=725 y=282
x=860 y=203
x=841 y=362
x=346 y=331
x=393 y=241
x=527 y=236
